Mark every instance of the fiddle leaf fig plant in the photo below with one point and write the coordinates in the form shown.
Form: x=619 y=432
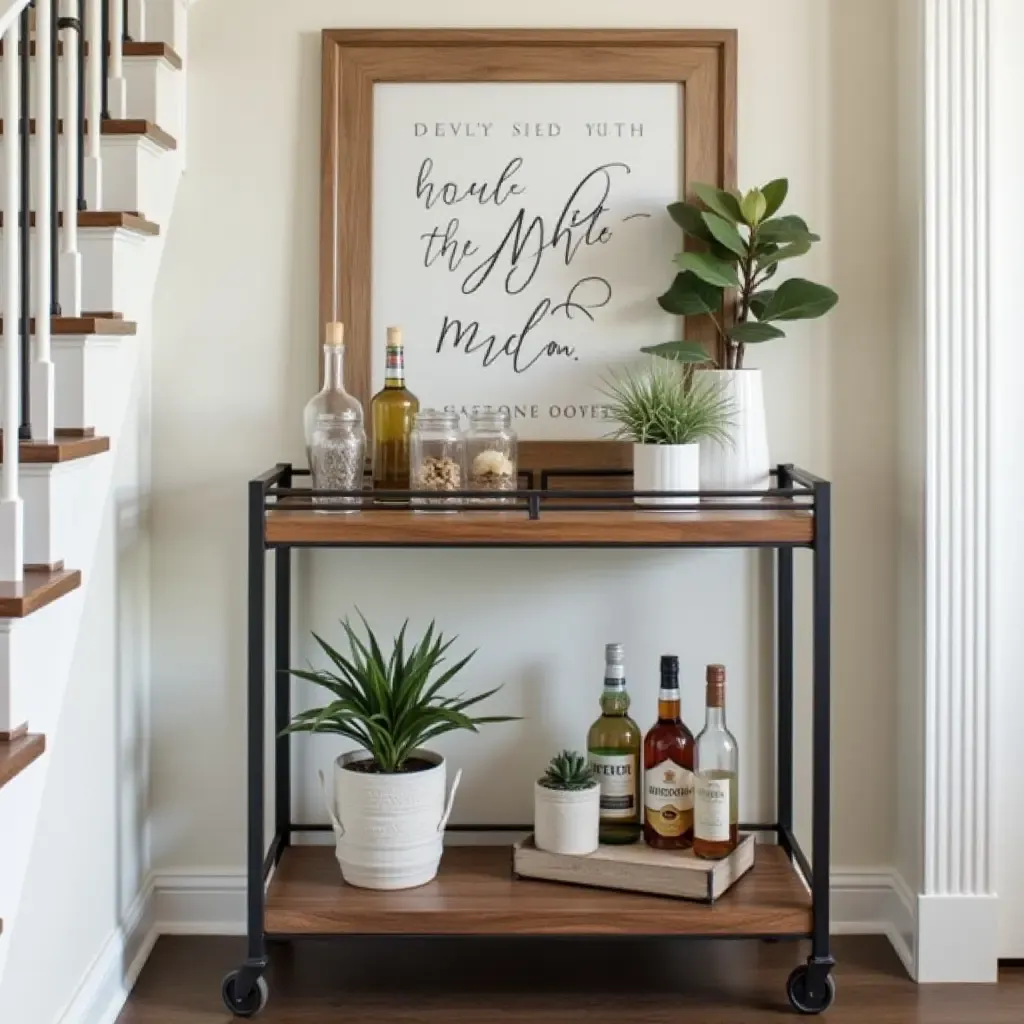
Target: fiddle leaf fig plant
x=737 y=242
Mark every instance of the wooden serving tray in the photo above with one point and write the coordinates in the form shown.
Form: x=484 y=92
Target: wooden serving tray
x=639 y=868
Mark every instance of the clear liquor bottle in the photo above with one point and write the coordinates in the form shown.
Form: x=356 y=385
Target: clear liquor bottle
x=717 y=775
x=393 y=410
x=613 y=750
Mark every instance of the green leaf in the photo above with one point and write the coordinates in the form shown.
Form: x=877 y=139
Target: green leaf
x=725 y=233
x=759 y=300
x=751 y=333
x=797 y=299
x=784 y=252
x=753 y=207
x=775 y=193
x=680 y=351
x=725 y=204
x=691 y=296
x=782 y=230
x=691 y=219
x=709 y=268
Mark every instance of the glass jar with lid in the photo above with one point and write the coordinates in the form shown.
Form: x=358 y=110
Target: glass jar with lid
x=491 y=452
x=335 y=436
x=437 y=452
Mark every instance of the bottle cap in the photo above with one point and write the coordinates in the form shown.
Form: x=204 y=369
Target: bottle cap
x=614 y=654
x=334 y=334
x=716 y=686
x=395 y=337
x=715 y=674
x=669 y=672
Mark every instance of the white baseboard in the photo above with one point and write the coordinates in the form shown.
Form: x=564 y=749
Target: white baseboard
x=876 y=902
x=959 y=939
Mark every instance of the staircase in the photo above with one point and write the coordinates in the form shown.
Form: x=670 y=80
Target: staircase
x=74 y=391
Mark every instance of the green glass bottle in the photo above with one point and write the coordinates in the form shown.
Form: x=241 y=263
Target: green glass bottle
x=392 y=411
x=613 y=750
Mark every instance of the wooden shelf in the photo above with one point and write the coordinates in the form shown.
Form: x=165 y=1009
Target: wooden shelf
x=64 y=448
x=553 y=528
x=16 y=755
x=37 y=589
x=475 y=894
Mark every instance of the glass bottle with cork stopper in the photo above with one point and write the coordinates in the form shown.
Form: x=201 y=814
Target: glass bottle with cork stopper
x=716 y=782
x=393 y=410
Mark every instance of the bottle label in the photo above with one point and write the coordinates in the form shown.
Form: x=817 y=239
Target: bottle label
x=669 y=798
x=616 y=774
x=394 y=362
x=711 y=810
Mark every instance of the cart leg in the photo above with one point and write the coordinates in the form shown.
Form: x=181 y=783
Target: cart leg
x=811 y=987
x=784 y=675
x=282 y=694
x=245 y=990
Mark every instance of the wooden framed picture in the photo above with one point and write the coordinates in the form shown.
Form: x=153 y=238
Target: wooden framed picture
x=500 y=196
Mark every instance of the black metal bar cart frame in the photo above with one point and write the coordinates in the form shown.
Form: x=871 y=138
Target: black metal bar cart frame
x=797 y=496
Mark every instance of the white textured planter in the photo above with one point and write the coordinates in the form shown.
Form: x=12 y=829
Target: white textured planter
x=566 y=820
x=743 y=464
x=389 y=828
x=666 y=467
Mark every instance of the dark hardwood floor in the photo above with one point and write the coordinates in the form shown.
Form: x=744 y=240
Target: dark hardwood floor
x=509 y=981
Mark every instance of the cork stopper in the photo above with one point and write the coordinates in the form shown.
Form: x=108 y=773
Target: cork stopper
x=395 y=337
x=716 y=686
x=334 y=334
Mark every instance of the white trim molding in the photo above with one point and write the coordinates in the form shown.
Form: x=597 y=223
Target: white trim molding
x=956 y=908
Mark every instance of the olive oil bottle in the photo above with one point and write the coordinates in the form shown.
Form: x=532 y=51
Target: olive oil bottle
x=392 y=411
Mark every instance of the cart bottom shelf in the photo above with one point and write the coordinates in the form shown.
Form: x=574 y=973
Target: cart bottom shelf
x=476 y=894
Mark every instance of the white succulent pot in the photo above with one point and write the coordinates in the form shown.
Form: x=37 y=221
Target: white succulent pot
x=566 y=820
x=742 y=464
x=666 y=467
x=389 y=828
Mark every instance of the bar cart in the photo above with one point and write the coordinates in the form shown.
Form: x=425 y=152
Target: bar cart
x=295 y=891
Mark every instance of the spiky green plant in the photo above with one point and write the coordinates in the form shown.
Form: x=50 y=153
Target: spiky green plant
x=391 y=706
x=668 y=404
x=568 y=770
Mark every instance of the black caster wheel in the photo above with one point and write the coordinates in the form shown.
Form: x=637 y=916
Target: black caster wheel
x=801 y=1000
x=254 y=1001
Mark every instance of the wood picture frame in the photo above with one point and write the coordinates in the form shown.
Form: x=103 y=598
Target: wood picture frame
x=701 y=62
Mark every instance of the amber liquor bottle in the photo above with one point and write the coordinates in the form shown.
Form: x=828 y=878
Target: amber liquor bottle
x=668 y=769
x=392 y=410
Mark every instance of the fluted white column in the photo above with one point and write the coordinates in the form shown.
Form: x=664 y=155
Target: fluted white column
x=957 y=907
x=41 y=372
x=94 y=104
x=11 y=518
x=70 y=257
x=118 y=86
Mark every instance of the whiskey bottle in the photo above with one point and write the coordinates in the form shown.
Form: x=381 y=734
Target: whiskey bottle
x=716 y=782
x=613 y=750
x=392 y=411
x=668 y=769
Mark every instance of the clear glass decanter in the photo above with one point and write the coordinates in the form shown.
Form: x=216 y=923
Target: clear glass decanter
x=335 y=436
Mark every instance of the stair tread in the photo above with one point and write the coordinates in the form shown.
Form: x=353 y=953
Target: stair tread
x=148 y=49
x=17 y=755
x=124 y=126
x=85 y=324
x=130 y=220
x=63 y=448
x=36 y=590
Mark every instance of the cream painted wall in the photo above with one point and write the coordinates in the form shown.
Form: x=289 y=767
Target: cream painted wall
x=236 y=319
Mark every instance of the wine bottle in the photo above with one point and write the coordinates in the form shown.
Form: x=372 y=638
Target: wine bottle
x=716 y=782
x=392 y=411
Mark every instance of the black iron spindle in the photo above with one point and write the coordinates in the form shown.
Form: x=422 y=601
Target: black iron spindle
x=104 y=45
x=25 y=227
x=54 y=155
x=125 y=34
x=80 y=28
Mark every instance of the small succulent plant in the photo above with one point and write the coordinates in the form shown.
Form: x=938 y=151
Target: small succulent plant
x=568 y=770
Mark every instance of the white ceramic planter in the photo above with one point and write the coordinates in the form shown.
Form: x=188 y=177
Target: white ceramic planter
x=389 y=828
x=743 y=464
x=566 y=820
x=666 y=467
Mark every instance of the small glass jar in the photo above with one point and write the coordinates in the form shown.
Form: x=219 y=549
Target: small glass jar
x=491 y=446
x=437 y=450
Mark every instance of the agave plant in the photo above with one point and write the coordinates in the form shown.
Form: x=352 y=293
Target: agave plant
x=568 y=770
x=739 y=243
x=390 y=706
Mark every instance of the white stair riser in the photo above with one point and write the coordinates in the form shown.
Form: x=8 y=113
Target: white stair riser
x=154 y=92
x=111 y=268
x=131 y=179
x=87 y=371
x=51 y=495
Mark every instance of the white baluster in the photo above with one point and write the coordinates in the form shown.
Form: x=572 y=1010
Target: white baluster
x=11 y=518
x=41 y=371
x=70 y=258
x=94 y=104
x=118 y=86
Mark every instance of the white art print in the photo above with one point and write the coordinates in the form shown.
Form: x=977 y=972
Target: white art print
x=520 y=240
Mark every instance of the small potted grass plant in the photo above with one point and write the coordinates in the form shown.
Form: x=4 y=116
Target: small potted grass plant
x=667 y=410
x=567 y=806
x=389 y=809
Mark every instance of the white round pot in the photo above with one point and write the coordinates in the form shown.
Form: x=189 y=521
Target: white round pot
x=566 y=820
x=742 y=463
x=666 y=467
x=389 y=828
